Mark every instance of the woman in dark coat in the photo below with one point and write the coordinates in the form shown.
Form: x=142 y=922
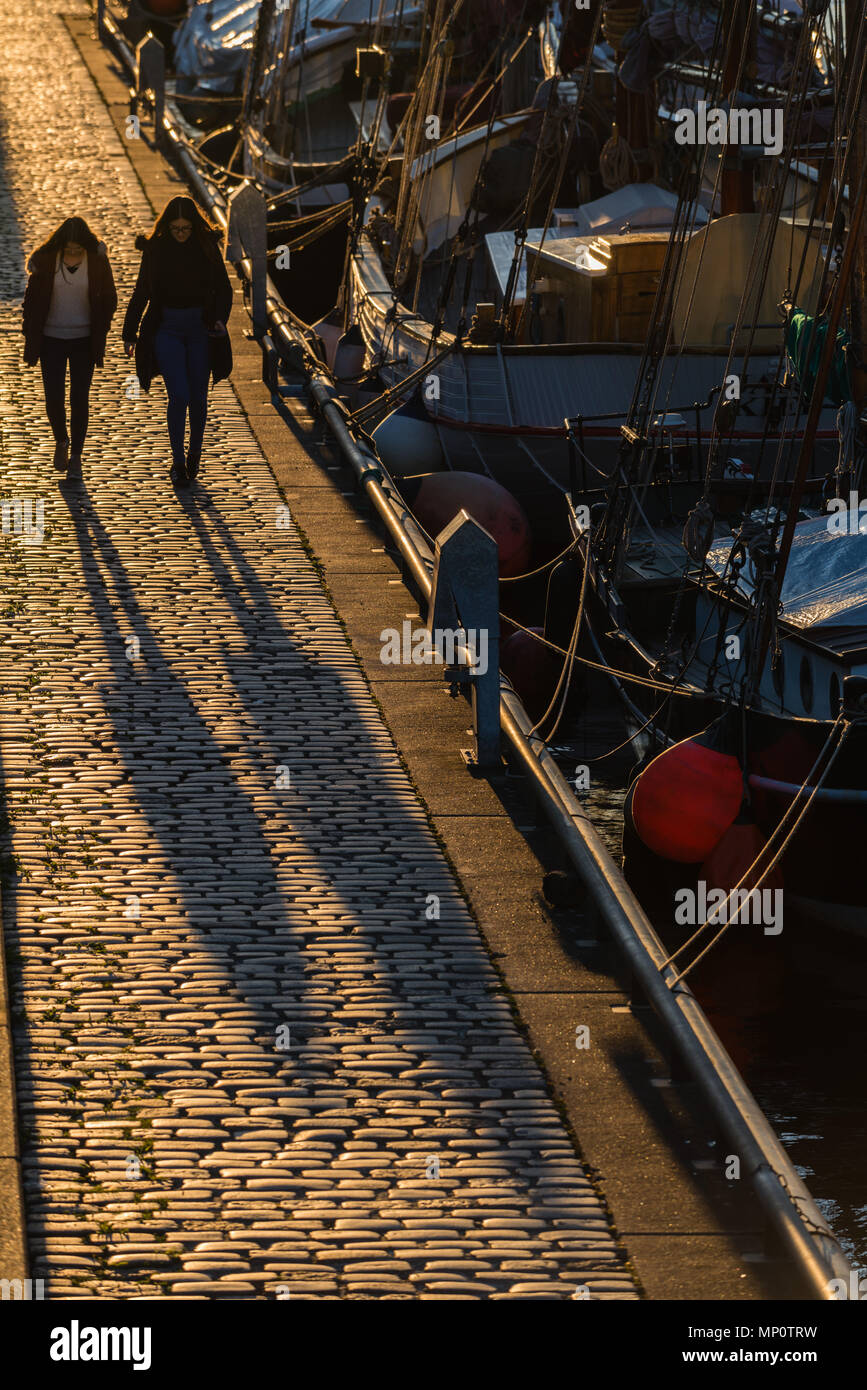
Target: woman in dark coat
x=176 y=323
x=68 y=306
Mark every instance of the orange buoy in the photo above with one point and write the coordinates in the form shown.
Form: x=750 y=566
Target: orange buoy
x=686 y=798
x=438 y=497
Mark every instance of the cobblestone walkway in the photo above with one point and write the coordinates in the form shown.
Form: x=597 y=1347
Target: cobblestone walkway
x=251 y=1060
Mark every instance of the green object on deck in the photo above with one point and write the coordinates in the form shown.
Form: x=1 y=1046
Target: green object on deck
x=838 y=388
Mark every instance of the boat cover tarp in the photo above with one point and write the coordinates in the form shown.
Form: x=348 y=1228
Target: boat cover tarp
x=826 y=578
x=213 y=44
x=635 y=205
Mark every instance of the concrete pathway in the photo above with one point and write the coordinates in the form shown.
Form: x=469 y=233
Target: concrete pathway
x=260 y=1048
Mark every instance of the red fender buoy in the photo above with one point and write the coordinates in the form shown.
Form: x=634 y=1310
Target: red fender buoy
x=789 y=759
x=438 y=497
x=532 y=667
x=730 y=859
x=686 y=799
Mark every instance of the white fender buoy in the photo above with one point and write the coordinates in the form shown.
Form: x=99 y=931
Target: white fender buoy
x=349 y=355
x=407 y=441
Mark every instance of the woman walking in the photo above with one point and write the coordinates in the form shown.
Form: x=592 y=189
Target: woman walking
x=184 y=295
x=68 y=306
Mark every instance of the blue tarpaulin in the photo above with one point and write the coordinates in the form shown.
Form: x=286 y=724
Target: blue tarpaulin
x=213 y=44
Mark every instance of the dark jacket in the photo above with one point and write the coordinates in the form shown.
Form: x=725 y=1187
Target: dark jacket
x=145 y=301
x=37 y=301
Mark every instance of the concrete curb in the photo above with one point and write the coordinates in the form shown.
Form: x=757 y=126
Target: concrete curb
x=13 y=1240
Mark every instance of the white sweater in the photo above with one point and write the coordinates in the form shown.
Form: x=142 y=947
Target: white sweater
x=69 y=310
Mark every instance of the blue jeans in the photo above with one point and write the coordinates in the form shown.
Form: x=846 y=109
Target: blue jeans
x=181 y=347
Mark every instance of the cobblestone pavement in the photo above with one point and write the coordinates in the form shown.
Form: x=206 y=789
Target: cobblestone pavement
x=250 y=1057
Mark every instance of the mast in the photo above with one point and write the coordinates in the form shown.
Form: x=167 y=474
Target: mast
x=254 y=65
x=634 y=112
x=736 y=185
x=858 y=296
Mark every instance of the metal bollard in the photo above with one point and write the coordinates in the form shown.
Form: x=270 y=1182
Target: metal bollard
x=150 y=75
x=247 y=238
x=465 y=599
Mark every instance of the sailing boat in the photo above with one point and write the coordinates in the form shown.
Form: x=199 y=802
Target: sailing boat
x=306 y=86
x=701 y=413
x=770 y=627
x=533 y=325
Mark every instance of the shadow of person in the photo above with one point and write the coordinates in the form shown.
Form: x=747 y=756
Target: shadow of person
x=332 y=934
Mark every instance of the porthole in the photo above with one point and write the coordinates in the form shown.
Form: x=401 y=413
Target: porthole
x=806 y=679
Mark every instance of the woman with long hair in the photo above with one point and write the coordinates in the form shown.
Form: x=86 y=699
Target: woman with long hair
x=176 y=323
x=68 y=306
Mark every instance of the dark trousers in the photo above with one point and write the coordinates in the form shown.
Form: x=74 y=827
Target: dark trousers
x=182 y=353
x=54 y=355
